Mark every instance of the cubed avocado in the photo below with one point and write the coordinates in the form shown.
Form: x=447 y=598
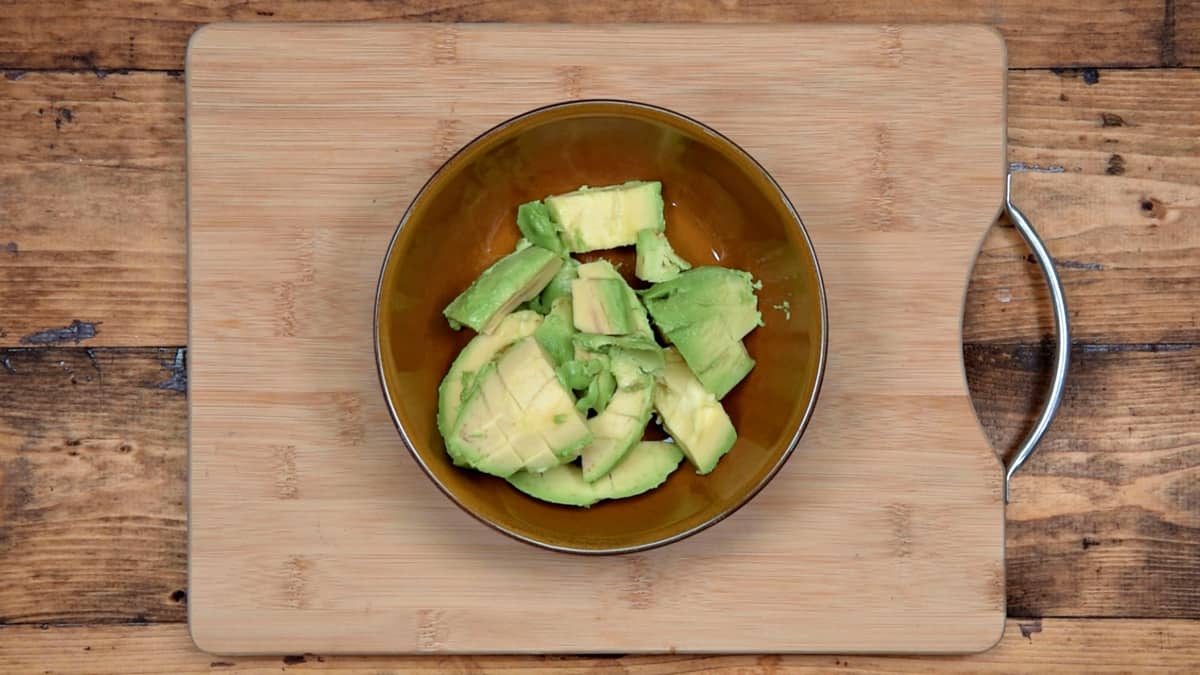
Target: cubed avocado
x=607 y=217
x=554 y=335
x=602 y=269
x=535 y=223
x=559 y=286
x=513 y=279
x=478 y=353
x=692 y=415
x=656 y=260
x=517 y=408
x=703 y=292
x=719 y=360
x=600 y=306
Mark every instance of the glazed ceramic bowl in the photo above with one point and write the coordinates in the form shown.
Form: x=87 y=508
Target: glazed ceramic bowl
x=721 y=208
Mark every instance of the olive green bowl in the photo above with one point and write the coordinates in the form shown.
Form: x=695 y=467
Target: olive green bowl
x=721 y=208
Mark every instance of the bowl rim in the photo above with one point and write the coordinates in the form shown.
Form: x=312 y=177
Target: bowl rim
x=800 y=427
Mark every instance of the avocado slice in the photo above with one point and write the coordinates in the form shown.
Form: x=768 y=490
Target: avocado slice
x=602 y=269
x=647 y=465
x=518 y=416
x=556 y=330
x=513 y=279
x=478 y=352
x=601 y=306
x=607 y=217
x=692 y=415
x=622 y=423
x=562 y=484
x=656 y=260
x=536 y=225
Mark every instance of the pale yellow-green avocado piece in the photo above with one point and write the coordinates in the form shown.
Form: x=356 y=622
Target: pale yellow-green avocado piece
x=518 y=416
x=616 y=430
x=692 y=415
x=602 y=269
x=600 y=306
x=478 y=352
x=607 y=217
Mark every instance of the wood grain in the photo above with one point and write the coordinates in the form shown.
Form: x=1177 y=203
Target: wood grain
x=69 y=208
x=91 y=208
x=141 y=34
x=1029 y=646
x=1101 y=525
x=1111 y=178
x=92 y=483
x=363 y=557
x=1105 y=518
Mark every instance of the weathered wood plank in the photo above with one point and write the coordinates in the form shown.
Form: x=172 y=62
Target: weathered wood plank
x=92 y=207
x=1028 y=646
x=1111 y=179
x=93 y=474
x=1105 y=521
x=152 y=35
x=1105 y=518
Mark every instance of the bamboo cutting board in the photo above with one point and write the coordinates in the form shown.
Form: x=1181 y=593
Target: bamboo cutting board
x=312 y=530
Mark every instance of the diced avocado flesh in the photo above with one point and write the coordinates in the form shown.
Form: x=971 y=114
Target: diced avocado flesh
x=617 y=429
x=556 y=331
x=692 y=415
x=647 y=465
x=518 y=408
x=478 y=352
x=536 y=225
x=705 y=313
x=602 y=269
x=513 y=279
x=607 y=217
x=560 y=285
x=703 y=292
x=601 y=306
x=656 y=260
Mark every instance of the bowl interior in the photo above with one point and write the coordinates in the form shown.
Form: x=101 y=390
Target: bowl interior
x=721 y=208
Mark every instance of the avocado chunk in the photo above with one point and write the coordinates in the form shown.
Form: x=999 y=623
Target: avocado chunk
x=556 y=330
x=622 y=423
x=518 y=416
x=607 y=217
x=692 y=415
x=559 y=286
x=656 y=260
x=719 y=360
x=646 y=466
x=602 y=269
x=513 y=279
x=536 y=225
x=705 y=313
x=478 y=353
x=601 y=306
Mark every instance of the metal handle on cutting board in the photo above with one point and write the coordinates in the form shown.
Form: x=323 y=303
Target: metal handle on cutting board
x=1062 y=328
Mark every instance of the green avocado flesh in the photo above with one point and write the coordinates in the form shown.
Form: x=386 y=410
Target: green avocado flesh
x=556 y=390
x=598 y=218
x=692 y=415
x=656 y=260
x=705 y=313
x=513 y=279
x=647 y=466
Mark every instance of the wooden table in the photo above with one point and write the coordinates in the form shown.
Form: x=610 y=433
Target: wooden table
x=1104 y=531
